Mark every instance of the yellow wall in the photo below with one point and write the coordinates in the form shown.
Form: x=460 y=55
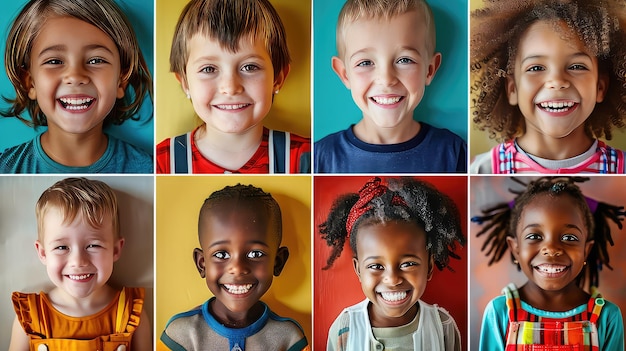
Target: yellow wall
x=291 y=112
x=180 y=287
x=480 y=142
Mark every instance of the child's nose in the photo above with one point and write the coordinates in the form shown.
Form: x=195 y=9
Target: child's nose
x=238 y=266
x=78 y=258
x=557 y=81
x=392 y=277
x=386 y=75
x=75 y=74
x=551 y=249
x=230 y=84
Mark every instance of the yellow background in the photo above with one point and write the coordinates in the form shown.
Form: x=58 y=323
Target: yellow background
x=180 y=287
x=480 y=142
x=291 y=111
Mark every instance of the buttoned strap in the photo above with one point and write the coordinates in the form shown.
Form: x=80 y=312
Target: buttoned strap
x=180 y=154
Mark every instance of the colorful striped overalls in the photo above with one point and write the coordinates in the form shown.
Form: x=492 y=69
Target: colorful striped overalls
x=528 y=332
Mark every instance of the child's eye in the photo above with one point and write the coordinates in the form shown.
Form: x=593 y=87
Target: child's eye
x=62 y=248
x=256 y=254
x=375 y=266
x=221 y=255
x=405 y=60
x=569 y=237
x=53 y=62
x=93 y=246
x=250 y=67
x=578 y=67
x=96 y=60
x=535 y=69
x=208 y=69
x=365 y=63
x=532 y=236
x=408 y=264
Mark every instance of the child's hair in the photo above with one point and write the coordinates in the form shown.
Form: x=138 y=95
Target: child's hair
x=501 y=222
x=243 y=194
x=103 y=14
x=93 y=199
x=496 y=32
x=405 y=199
x=228 y=21
x=354 y=10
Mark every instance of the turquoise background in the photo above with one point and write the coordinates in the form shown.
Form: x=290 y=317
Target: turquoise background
x=446 y=99
x=140 y=133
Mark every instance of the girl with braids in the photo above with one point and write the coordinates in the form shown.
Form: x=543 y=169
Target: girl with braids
x=548 y=81
x=397 y=234
x=558 y=238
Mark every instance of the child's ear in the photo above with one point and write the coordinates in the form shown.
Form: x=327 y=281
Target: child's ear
x=41 y=252
x=433 y=66
x=122 y=84
x=511 y=90
x=588 y=246
x=183 y=82
x=603 y=86
x=357 y=269
x=340 y=69
x=281 y=77
x=512 y=242
x=431 y=267
x=117 y=249
x=198 y=259
x=281 y=259
x=28 y=83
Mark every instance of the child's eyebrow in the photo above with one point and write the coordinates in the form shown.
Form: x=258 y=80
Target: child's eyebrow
x=402 y=49
x=224 y=242
x=63 y=47
x=567 y=225
x=575 y=55
x=402 y=257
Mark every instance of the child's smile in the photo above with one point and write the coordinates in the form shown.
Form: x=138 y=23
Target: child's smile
x=393 y=266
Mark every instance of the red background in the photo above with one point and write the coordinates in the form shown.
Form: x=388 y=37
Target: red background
x=338 y=287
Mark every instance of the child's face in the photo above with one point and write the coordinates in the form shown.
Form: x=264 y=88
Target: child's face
x=386 y=65
x=74 y=75
x=230 y=92
x=239 y=255
x=556 y=81
x=393 y=266
x=551 y=242
x=78 y=258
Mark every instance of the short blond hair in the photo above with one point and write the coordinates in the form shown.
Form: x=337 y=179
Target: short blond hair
x=354 y=10
x=93 y=199
x=227 y=21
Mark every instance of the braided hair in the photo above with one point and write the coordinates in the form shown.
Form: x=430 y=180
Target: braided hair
x=245 y=194
x=405 y=199
x=500 y=222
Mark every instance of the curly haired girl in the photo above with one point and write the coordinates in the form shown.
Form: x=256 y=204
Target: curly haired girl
x=397 y=235
x=548 y=81
x=558 y=238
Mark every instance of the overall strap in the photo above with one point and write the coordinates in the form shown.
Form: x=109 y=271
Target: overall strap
x=503 y=158
x=39 y=316
x=279 y=151
x=514 y=304
x=594 y=306
x=611 y=159
x=180 y=154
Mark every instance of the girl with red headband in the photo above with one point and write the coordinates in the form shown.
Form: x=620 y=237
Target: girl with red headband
x=397 y=234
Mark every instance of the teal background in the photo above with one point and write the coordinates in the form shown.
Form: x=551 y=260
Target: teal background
x=140 y=133
x=446 y=99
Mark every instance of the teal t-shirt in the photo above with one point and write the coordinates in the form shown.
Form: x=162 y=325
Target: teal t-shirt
x=119 y=157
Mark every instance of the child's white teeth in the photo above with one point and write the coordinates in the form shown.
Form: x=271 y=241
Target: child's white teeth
x=551 y=269
x=393 y=296
x=560 y=106
x=231 y=107
x=386 y=100
x=76 y=103
x=79 y=277
x=238 y=289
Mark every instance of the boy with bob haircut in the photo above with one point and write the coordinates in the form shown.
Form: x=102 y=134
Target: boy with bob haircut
x=240 y=232
x=231 y=59
x=386 y=58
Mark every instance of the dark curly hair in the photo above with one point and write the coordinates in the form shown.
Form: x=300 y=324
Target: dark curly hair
x=500 y=222
x=405 y=199
x=496 y=30
x=245 y=195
